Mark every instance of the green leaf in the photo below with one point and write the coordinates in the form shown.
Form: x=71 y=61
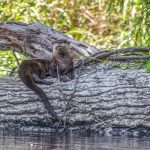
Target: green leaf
x=148 y=66
x=106 y=61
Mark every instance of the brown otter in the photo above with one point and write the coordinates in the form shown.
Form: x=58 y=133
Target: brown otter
x=34 y=71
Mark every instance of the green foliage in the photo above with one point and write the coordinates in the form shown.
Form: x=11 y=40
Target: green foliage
x=135 y=16
x=148 y=66
x=107 y=24
x=8 y=62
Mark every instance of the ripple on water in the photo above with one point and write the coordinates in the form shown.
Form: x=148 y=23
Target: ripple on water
x=51 y=141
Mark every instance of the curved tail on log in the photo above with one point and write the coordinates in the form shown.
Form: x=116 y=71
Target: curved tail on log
x=28 y=80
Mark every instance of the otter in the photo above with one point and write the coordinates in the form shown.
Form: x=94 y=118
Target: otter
x=62 y=58
x=33 y=72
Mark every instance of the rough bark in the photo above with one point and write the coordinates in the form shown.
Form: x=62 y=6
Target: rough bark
x=104 y=97
x=36 y=40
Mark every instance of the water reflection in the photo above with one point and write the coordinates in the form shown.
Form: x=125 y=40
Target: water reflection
x=47 y=141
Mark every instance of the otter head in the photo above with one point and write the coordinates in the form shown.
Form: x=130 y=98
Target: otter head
x=62 y=58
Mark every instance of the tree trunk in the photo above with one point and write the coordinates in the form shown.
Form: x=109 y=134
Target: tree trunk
x=36 y=40
x=104 y=96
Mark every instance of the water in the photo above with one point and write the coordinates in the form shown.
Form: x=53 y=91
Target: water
x=47 y=141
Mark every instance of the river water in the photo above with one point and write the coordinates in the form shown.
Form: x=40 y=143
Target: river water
x=51 y=141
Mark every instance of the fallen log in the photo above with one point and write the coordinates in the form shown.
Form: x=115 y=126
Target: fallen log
x=104 y=96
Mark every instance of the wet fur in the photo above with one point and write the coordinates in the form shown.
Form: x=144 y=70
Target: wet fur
x=62 y=58
x=33 y=72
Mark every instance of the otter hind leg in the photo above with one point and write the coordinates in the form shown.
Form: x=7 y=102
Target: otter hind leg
x=41 y=81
